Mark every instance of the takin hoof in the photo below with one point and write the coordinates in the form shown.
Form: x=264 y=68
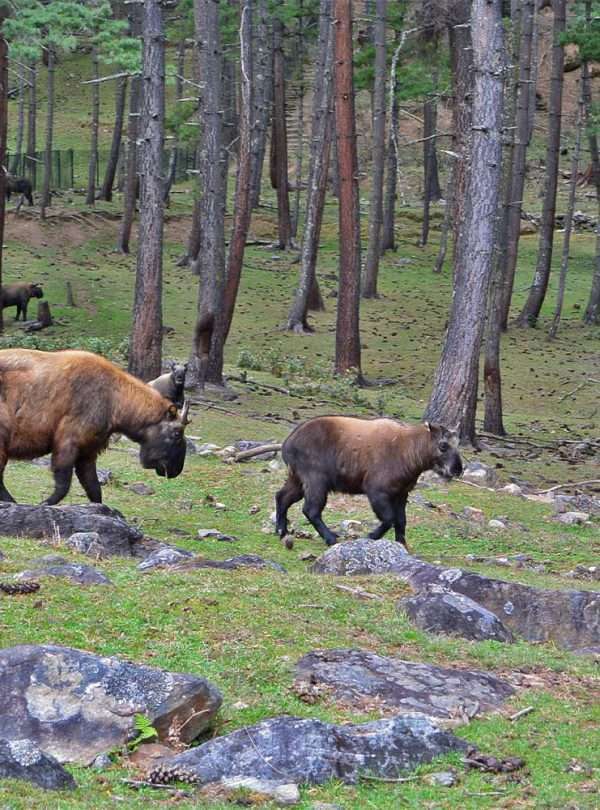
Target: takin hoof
x=331 y=541
x=288 y=541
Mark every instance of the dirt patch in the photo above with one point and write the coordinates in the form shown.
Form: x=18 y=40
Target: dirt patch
x=58 y=231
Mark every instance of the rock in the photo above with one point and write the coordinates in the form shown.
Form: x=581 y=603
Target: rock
x=101 y=762
x=21 y=759
x=164 y=556
x=275 y=465
x=117 y=536
x=246 y=444
x=307 y=556
x=430 y=477
x=231 y=564
x=570 y=619
x=352 y=527
x=473 y=514
x=89 y=543
x=104 y=476
x=325 y=806
x=366 y=680
x=81 y=574
x=207 y=449
x=310 y=751
x=191 y=446
x=215 y=534
x=511 y=489
x=439 y=610
x=477 y=473
x=494 y=523
x=75 y=705
x=442 y=778
x=590 y=572
x=282 y=795
x=573 y=518
x=578 y=503
x=140 y=488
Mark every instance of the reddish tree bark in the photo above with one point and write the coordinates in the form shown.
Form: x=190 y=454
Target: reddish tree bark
x=279 y=140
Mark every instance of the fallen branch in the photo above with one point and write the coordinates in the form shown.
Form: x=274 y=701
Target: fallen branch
x=520 y=714
x=358 y=592
x=568 y=485
x=257 y=451
x=137 y=784
x=368 y=778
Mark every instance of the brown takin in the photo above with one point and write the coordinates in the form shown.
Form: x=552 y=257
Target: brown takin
x=380 y=458
x=18 y=295
x=69 y=403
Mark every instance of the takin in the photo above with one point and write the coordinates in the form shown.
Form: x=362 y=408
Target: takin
x=380 y=458
x=18 y=295
x=69 y=403
x=171 y=385
x=19 y=185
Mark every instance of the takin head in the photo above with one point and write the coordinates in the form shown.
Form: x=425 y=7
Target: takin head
x=447 y=462
x=163 y=445
x=36 y=291
x=178 y=372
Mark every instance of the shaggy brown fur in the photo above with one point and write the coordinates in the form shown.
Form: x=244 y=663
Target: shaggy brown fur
x=69 y=403
x=380 y=458
x=18 y=295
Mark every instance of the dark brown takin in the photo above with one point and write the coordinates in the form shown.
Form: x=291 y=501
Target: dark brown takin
x=380 y=458
x=69 y=403
x=18 y=295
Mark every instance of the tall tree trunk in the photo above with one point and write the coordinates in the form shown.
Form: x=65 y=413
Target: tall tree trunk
x=3 y=129
x=461 y=64
x=347 y=335
x=493 y=417
x=300 y=125
x=378 y=165
x=279 y=139
x=45 y=201
x=535 y=41
x=447 y=223
x=530 y=312
x=564 y=264
x=453 y=399
x=31 y=126
x=263 y=88
x=172 y=170
x=115 y=146
x=131 y=171
x=206 y=362
x=388 y=239
x=429 y=167
x=93 y=164
x=518 y=155
x=592 y=311
x=320 y=149
x=230 y=119
x=242 y=204
x=145 y=346
x=16 y=159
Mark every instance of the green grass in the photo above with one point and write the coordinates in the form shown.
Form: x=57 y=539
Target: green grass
x=246 y=629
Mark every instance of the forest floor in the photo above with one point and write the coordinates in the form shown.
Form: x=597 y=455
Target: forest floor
x=245 y=630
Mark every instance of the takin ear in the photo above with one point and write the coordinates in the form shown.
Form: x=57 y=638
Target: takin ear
x=432 y=427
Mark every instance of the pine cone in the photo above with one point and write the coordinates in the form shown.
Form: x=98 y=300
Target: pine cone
x=163 y=774
x=16 y=588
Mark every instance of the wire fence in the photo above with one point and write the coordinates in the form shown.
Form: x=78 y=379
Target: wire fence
x=69 y=167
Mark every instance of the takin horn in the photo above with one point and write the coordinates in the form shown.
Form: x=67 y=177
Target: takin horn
x=184 y=413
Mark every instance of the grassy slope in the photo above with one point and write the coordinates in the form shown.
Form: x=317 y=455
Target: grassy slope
x=245 y=630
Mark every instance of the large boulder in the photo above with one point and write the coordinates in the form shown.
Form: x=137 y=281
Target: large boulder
x=52 y=566
x=290 y=749
x=75 y=705
x=117 y=536
x=22 y=759
x=365 y=680
x=439 y=610
x=569 y=618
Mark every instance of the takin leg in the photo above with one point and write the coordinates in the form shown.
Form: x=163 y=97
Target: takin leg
x=4 y=493
x=400 y=520
x=290 y=493
x=315 y=498
x=383 y=507
x=85 y=470
x=63 y=460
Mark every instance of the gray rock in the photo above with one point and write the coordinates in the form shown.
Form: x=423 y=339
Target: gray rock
x=578 y=503
x=215 y=534
x=81 y=574
x=589 y=572
x=494 y=523
x=104 y=476
x=192 y=447
x=87 y=543
x=164 y=556
x=283 y=795
x=442 y=778
x=290 y=749
x=232 y=563
x=140 y=488
x=101 y=762
x=362 y=678
x=430 y=477
x=20 y=758
x=570 y=619
x=325 y=806
x=38 y=522
x=511 y=489
x=439 y=610
x=573 y=518
x=473 y=514
x=207 y=449
x=75 y=705
x=246 y=444
x=477 y=473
